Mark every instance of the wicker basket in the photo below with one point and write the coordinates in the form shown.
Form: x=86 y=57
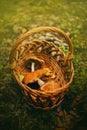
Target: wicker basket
x=49 y=49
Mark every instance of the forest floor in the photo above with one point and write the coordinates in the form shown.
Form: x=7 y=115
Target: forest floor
x=16 y=18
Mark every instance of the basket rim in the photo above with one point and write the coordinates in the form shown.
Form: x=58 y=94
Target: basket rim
x=41 y=29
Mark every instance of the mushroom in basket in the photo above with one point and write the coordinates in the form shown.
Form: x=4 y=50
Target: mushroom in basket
x=50 y=86
x=38 y=78
x=33 y=76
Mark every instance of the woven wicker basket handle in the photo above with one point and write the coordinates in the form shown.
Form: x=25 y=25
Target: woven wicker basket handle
x=49 y=29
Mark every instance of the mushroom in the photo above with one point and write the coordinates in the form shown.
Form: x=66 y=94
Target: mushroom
x=50 y=86
x=33 y=63
x=33 y=76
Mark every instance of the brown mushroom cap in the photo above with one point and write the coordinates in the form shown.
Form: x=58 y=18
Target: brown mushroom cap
x=38 y=63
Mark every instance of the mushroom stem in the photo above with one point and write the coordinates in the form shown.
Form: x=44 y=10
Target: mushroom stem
x=32 y=66
x=40 y=82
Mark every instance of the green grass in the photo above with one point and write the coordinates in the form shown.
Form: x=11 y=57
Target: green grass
x=18 y=16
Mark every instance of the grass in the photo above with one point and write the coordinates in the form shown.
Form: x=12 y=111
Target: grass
x=17 y=17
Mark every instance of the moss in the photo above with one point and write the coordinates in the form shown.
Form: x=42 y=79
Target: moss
x=17 y=17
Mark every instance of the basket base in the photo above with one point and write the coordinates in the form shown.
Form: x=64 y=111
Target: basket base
x=33 y=106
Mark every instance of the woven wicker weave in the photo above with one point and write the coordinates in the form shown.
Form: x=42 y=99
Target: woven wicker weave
x=48 y=47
